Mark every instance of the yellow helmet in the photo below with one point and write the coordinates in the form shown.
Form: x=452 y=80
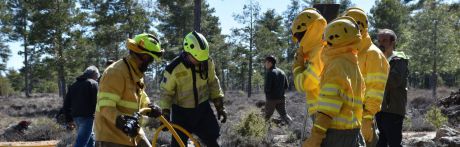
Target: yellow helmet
x=303 y=21
x=147 y=44
x=197 y=46
x=359 y=16
x=341 y=32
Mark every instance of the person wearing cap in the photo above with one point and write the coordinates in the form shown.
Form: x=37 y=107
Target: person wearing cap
x=274 y=85
x=340 y=103
x=188 y=86
x=390 y=119
x=122 y=93
x=80 y=104
x=374 y=68
x=307 y=30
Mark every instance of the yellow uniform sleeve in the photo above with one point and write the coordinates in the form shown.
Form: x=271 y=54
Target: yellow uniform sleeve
x=145 y=101
x=168 y=90
x=214 y=84
x=110 y=91
x=377 y=73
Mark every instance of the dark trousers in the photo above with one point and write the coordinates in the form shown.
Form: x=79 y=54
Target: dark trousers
x=280 y=106
x=200 y=121
x=343 y=138
x=390 y=127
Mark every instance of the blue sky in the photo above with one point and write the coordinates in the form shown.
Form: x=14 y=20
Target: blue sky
x=225 y=9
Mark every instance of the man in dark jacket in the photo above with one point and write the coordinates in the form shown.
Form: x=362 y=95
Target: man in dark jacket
x=275 y=84
x=390 y=118
x=80 y=104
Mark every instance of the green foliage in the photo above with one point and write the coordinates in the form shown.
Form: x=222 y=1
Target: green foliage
x=4 y=49
x=16 y=79
x=436 y=22
x=5 y=87
x=252 y=125
x=435 y=117
x=4 y=55
x=407 y=123
x=390 y=14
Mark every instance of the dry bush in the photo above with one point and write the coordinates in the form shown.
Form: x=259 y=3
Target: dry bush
x=419 y=102
x=435 y=117
x=44 y=129
x=417 y=122
x=67 y=140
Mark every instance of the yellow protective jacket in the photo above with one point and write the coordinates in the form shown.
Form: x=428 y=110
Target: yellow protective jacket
x=374 y=68
x=342 y=88
x=185 y=88
x=312 y=46
x=121 y=91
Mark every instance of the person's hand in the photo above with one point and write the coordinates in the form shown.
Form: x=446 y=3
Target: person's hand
x=367 y=129
x=299 y=61
x=128 y=124
x=70 y=125
x=155 y=111
x=222 y=114
x=315 y=139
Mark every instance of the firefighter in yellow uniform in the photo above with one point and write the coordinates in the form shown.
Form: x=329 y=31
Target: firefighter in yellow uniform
x=188 y=86
x=121 y=94
x=374 y=68
x=340 y=103
x=307 y=30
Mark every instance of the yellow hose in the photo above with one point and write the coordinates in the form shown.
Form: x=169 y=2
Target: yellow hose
x=170 y=129
x=155 y=137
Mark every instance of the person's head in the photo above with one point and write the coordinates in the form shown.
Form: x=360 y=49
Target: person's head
x=306 y=21
x=91 y=72
x=387 y=40
x=360 y=17
x=196 y=46
x=341 y=32
x=270 y=62
x=146 y=47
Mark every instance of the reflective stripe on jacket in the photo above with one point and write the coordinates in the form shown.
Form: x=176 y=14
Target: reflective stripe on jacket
x=374 y=68
x=342 y=88
x=187 y=85
x=312 y=47
x=121 y=91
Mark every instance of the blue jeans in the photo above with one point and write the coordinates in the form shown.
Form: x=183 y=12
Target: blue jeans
x=85 y=137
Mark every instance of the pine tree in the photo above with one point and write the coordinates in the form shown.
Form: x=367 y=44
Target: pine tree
x=15 y=24
x=4 y=49
x=248 y=18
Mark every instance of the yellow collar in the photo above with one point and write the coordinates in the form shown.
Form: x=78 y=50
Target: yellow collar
x=350 y=51
x=134 y=70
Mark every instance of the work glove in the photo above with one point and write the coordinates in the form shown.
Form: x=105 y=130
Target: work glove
x=128 y=124
x=318 y=132
x=167 y=115
x=367 y=129
x=298 y=68
x=221 y=113
x=155 y=110
x=299 y=60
